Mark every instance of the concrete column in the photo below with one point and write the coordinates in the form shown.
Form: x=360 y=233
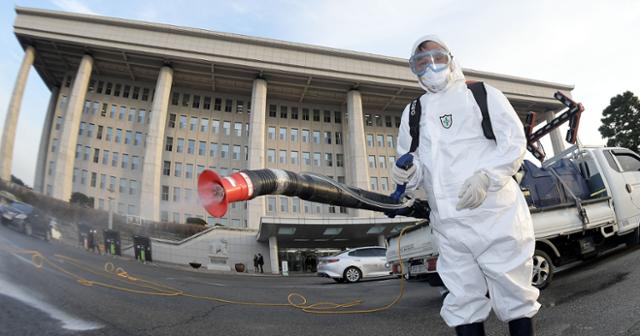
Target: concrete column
x=152 y=164
x=256 y=206
x=273 y=252
x=38 y=184
x=11 y=119
x=356 y=147
x=557 y=142
x=382 y=241
x=63 y=173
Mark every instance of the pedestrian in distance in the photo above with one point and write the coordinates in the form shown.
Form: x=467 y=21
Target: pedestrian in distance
x=261 y=262
x=255 y=263
x=478 y=214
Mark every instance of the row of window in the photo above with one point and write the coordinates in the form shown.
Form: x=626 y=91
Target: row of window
x=305 y=135
x=307 y=157
x=131 y=114
x=194 y=101
x=179 y=194
x=305 y=114
x=178 y=169
x=376 y=120
x=383 y=186
x=116 y=89
x=379 y=140
x=202 y=124
x=125 y=187
x=215 y=150
x=130 y=208
x=292 y=205
x=115 y=159
x=381 y=162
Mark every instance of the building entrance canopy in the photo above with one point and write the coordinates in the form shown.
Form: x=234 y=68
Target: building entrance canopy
x=329 y=233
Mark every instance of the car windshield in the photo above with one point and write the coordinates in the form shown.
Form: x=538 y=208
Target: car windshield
x=25 y=208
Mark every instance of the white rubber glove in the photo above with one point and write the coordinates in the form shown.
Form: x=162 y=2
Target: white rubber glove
x=400 y=176
x=474 y=191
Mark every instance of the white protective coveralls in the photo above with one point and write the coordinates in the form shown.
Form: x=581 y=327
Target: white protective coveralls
x=488 y=248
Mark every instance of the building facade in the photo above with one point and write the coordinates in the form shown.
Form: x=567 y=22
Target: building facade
x=139 y=109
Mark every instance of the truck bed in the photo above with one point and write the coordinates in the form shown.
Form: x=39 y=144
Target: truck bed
x=548 y=222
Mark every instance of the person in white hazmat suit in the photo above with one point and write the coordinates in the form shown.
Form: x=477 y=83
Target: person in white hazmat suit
x=480 y=217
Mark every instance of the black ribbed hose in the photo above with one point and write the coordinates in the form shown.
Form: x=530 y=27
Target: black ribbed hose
x=320 y=189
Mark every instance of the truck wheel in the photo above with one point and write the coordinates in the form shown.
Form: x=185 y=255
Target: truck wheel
x=352 y=274
x=542 y=269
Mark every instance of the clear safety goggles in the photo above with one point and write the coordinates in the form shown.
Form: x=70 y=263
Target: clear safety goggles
x=436 y=60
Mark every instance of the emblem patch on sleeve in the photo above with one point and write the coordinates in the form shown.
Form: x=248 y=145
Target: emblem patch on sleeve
x=446 y=121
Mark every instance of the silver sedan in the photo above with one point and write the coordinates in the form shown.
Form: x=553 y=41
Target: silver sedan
x=355 y=264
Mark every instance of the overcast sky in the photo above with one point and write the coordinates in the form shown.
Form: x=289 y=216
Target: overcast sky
x=592 y=45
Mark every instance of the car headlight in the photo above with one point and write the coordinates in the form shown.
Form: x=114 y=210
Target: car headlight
x=387 y=265
x=21 y=216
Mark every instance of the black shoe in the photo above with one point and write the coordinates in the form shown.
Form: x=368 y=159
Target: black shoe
x=473 y=329
x=521 y=327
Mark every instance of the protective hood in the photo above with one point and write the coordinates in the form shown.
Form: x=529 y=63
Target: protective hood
x=456 y=74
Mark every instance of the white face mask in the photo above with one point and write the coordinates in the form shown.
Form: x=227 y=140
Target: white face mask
x=435 y=81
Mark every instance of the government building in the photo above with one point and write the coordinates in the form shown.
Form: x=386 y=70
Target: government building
x=138 y=110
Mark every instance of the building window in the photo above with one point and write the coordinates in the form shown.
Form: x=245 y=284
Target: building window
x=284 y=204
x=114 y=159
x=380 y=140
x=202 y=148
x=294 y=157
x=118 y=135
x=83 y=177
x=316 y=137
x=141 y=114
x=107 y=90
x=338 y=138
x=294 y=135
x=306 y=157
x=316 y=115
x=145 y=94
x=172 y=120
x=397 y=120
x=374 y=184
x=125 y=161
x=96 y=155
x=99 y=133
x=196 y=101
x=372 y=161
x=271 y=155
x=135 y=163
x=58 y=123
x=204 y=125
x=294 y=113
x=87 y=153
x=177 y=169
x=123 y=186
x=185 y=99
x=105 y=157
x=239 y=106
x=390 y=141
x=273 y=110
x=295 y=205
x=283 y=134
x=305 y=114
x=387 y=121
x=305 y=136
x=191 y=146
x=136 y=93
x=54 y=145
x=369 y=140
x=188 y=172
x=215 y=126
x=183 y=121
x=207 y=103
x=176 y=194
x=237 y=129
x=112 y=183
x=271 y=204
x=213 y=149
x=339 y=160
x=316 y=159
x=193 y=124
x=327 y=138
x=168 y=146
x=166 y=168
x=337 y=117
x=138 y=139
x=326 y=116
x=112 y=113
x=328 y=159
x=282 y=156
x=283 y=112
x=382 y=162
x=236 y=152
x=226 y=128
x=384 y=183
x=224 y=151
x=228 y=105
x=123 y=111
x=217 y=104
x=165 y=193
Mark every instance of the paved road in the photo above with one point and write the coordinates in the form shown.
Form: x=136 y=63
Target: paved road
x=600 y=298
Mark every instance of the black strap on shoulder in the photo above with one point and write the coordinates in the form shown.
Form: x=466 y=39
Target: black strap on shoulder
x=480 y=95
x=415 y=111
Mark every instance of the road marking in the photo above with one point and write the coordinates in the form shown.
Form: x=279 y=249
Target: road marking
x=69 y=322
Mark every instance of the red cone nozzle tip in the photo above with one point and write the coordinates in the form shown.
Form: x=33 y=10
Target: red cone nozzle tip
x=212 y=194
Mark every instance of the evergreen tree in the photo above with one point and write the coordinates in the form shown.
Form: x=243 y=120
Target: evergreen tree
x=621 y=122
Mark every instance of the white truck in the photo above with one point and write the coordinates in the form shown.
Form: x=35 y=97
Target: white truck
x=571 y=223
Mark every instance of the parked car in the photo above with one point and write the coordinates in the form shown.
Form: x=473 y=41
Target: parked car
x=355 y=264
x=26 y=219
